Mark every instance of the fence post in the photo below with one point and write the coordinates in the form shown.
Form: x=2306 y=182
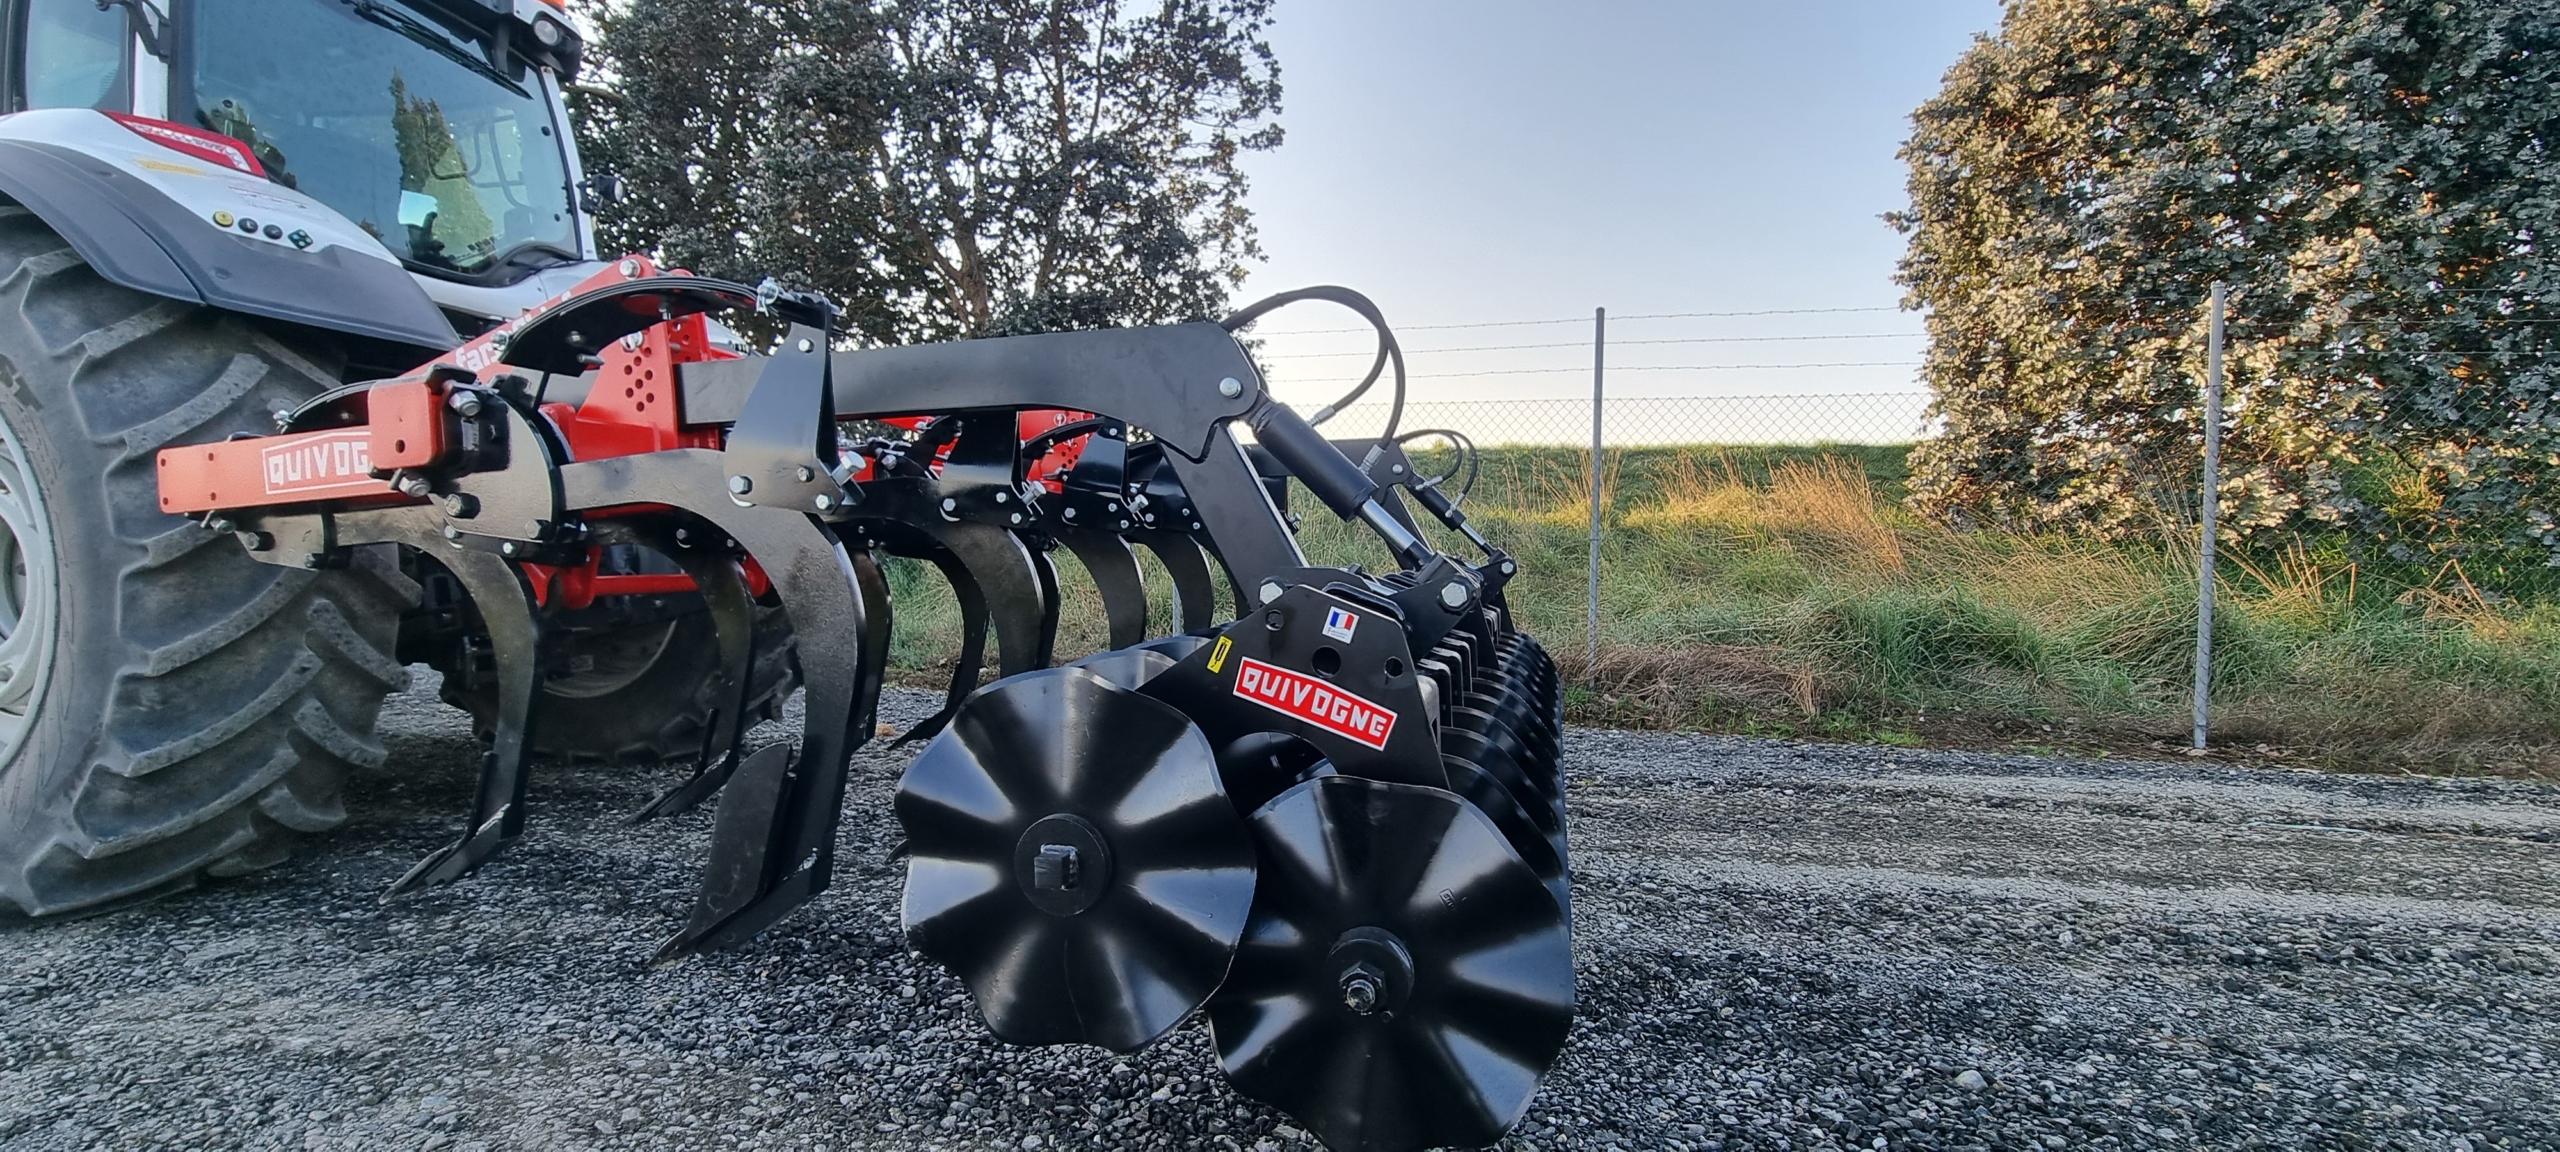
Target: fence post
x=2208 y=506
x=1591 y=617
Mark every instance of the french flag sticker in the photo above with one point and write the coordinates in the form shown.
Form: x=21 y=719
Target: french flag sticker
x=1340 y=624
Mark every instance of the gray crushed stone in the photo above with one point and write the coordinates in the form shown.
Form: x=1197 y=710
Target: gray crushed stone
x=1780 y=945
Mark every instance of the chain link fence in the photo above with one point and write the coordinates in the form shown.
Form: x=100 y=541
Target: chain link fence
x=1865 y=418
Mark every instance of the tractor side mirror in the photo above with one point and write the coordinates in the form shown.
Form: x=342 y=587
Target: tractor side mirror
x=598 y=190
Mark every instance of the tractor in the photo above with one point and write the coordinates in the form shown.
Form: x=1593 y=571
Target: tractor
x=211 y=212
x=310 y=369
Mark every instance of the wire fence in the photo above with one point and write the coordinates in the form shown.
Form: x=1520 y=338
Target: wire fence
x=1808 y=419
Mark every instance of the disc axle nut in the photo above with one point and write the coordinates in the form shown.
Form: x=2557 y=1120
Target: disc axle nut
x=1362 y=987
x=1056 y=868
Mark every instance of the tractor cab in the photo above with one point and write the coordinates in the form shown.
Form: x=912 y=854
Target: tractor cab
x=436 y=127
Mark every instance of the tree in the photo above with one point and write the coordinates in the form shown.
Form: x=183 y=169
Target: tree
x=2376 y=180
x=942 y=169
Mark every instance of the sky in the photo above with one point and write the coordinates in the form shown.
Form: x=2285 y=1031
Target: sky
x=1504 y=160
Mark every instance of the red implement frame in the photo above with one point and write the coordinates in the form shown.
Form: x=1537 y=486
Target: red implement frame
x=635 y=405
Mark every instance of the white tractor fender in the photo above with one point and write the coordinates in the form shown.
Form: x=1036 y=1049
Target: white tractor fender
x=162 y=221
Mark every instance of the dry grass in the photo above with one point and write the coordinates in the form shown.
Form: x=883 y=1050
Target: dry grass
x=1788 y=592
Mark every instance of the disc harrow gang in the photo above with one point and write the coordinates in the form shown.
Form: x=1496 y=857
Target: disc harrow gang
x=1321 y=807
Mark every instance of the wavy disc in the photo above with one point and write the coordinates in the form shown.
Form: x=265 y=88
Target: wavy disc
x=1406 y=979
x=1074 y=859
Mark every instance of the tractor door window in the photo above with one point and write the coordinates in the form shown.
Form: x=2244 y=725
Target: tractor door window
x=75 y=56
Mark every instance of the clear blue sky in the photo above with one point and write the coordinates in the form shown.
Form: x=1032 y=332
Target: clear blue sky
x=1503 y=160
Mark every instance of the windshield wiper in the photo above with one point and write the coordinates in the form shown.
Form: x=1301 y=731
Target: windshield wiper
x=515 y=254
x=431 y=38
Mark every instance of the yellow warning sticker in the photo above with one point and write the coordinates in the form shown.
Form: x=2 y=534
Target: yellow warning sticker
x=165 y=166
x=1218 y=655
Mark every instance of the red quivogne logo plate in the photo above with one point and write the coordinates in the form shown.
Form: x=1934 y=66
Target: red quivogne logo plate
x=1304 y=697
x=326 y=462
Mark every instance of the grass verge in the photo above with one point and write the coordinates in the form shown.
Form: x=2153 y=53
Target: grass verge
x=1786 y=592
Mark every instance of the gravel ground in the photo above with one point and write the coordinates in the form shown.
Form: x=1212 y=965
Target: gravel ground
x=1780 y=945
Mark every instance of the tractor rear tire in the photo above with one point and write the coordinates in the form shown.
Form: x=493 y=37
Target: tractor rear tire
x=177 y=709
x=640 y=694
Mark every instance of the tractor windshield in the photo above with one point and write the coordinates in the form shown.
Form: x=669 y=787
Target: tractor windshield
x=395 y=118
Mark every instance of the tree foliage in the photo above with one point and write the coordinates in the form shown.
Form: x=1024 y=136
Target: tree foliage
x=2374 y=179
x=941 y=169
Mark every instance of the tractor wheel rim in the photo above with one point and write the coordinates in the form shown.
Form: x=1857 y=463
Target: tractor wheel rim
x=615 y=661
x=29 y=602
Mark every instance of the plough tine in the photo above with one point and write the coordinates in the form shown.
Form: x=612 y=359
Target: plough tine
x=1116 y=577
x=773 y=841
x=773 y=838
x=1195 y=596
x=1010 y=581
x=1045 y=571
x=506 y=607
x=733 y=622
x=973 y=643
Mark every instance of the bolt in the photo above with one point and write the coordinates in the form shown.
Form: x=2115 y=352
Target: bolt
x=459 y=506
x=1110 y=505
x=1015 y=518
x=803 y=474
x=1067 y=514
x=1510 y=567
x=256 y=541
x=1398 y=469
x=630 y=268
x=415 y=486
x=465 y=402
x=217 y=524
x=804 y=344
x=684 y=535
x=822 y=502
x=632 y=342
x=1454 y=595
x=740 y=485
x=1124 y=525
x=282 y=417
x=1269 y=591
x=1273 y=620
x=507 y=548
x=452 y=533
x=1056 y=868
x=1001 y=497
x=1230 y=387
x=1362 y=986
x=949 y=506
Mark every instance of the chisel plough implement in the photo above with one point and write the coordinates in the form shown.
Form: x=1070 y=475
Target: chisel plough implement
x=1321 y=805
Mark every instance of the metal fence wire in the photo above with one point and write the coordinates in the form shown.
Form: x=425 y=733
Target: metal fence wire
x=1866 y=418
x=1875 y=405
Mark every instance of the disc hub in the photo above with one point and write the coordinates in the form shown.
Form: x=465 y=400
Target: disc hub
x=1062 y=864
x=1376 y=970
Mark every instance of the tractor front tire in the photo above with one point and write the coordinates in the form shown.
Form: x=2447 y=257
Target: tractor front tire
x=173 y=709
